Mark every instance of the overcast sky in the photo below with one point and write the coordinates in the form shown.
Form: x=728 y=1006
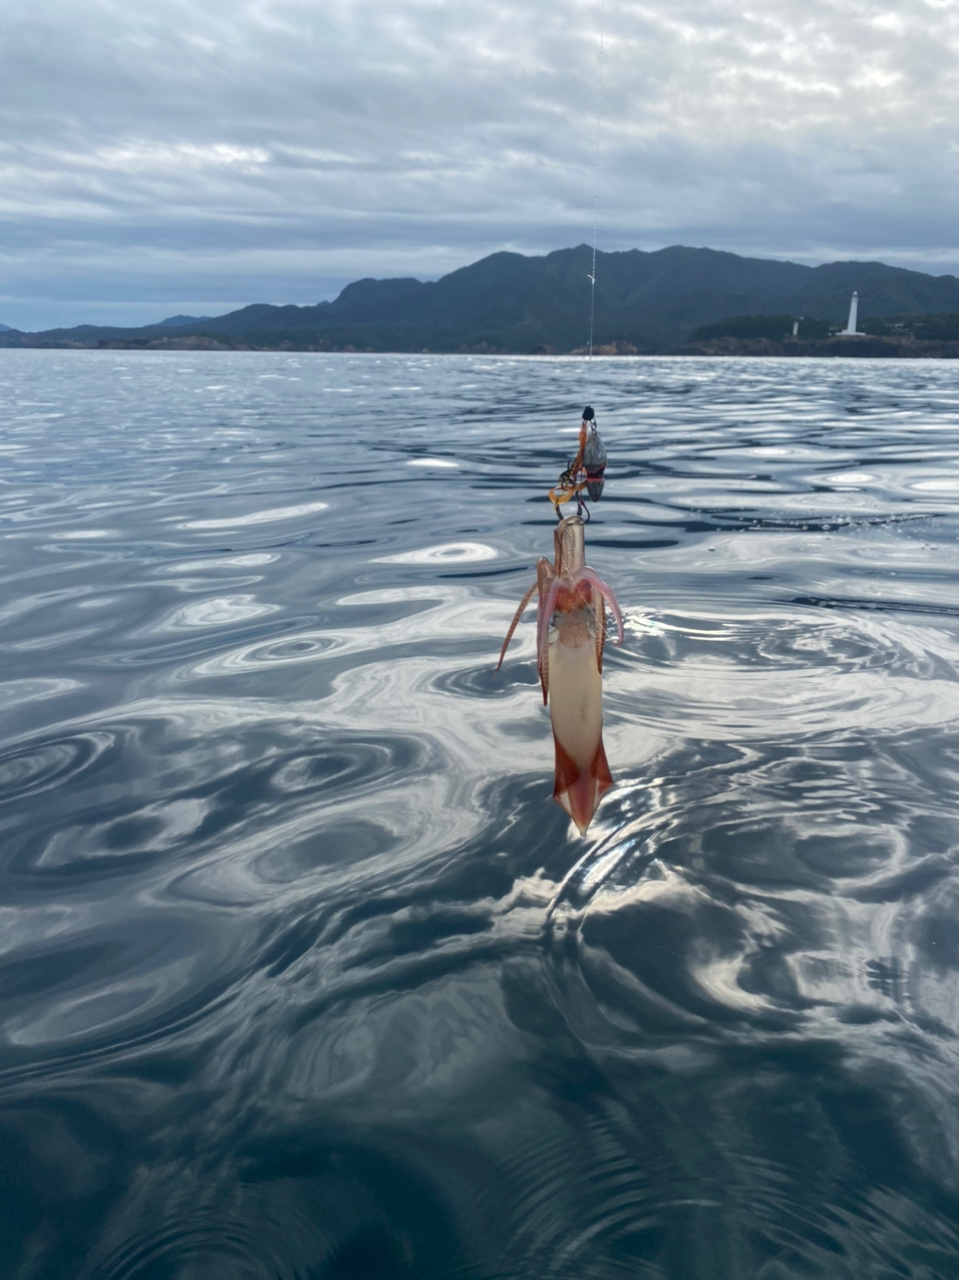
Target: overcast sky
x=161 y=157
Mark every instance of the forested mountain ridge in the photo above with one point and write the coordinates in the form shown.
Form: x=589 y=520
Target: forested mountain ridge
x=508 y=302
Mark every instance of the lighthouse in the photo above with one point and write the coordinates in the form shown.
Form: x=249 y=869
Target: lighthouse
x=850 y=329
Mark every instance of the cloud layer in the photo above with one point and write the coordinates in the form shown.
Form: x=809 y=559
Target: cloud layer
x=157 y=158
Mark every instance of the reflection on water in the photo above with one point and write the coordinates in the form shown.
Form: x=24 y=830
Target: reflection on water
x=302 y=973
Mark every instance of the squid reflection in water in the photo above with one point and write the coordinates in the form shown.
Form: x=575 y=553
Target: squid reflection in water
x=571 y=633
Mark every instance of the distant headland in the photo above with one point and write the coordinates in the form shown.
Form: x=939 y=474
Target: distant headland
x=675 y=301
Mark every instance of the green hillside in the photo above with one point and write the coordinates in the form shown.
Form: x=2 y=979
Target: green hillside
x=774 y=327
x=509 y=302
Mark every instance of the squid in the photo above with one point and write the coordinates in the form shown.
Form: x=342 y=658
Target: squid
x=570 y=636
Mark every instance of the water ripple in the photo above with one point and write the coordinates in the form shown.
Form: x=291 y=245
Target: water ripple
x=303 y=974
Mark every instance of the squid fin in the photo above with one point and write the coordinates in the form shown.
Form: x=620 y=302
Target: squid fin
x=577 y=790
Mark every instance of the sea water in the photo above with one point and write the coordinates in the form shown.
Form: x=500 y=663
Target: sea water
x=304 y=976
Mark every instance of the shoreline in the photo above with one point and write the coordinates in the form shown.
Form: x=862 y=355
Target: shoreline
x=865 y=347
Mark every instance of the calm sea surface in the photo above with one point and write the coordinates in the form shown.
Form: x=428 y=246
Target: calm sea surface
x=304 y=976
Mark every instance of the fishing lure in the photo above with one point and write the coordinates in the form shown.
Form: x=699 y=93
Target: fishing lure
x=570 y=637
x=586 y=471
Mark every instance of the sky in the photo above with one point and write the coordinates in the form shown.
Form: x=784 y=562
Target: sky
x=158 y=158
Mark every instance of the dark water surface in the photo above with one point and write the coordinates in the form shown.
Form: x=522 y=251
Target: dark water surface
x=303 y=976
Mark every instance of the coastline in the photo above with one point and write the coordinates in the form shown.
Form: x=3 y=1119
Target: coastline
x=865 y=346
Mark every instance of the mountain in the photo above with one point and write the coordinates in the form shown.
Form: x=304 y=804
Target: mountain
x=508 y=302
x=89 y=330
x=177 y=322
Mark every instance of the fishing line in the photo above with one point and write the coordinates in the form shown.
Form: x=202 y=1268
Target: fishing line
x=599 y=126
x=585 y=474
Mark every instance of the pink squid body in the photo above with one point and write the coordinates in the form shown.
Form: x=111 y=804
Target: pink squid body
x=571 y=633
x=582 y=773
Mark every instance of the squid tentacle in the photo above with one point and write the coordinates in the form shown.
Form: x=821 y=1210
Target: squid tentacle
x=513 y=625
x=587 y=575
x=547 y=605
x=599 y=613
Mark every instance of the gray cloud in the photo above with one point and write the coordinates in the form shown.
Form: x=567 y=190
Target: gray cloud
x=185 y=157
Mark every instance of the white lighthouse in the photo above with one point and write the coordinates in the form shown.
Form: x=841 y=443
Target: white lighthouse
x=850 y=329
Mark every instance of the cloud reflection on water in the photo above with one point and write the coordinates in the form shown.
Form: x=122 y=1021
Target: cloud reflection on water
x=299 y=959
